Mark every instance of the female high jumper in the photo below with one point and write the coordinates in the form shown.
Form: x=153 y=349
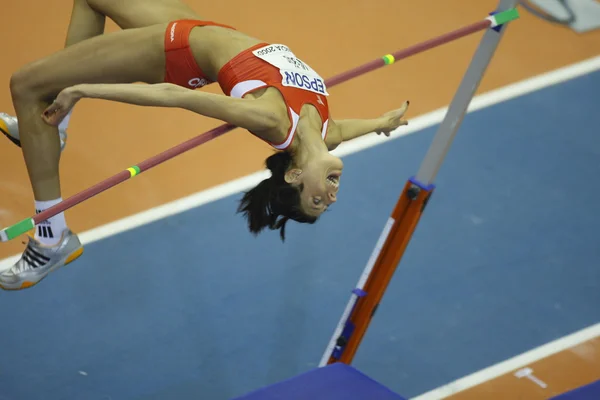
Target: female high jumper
x=166 y=45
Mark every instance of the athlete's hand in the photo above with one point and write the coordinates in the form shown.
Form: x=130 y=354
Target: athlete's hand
x=61 y=106
x=393 y=119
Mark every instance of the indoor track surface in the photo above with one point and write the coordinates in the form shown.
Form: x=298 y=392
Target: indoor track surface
x=176 y=300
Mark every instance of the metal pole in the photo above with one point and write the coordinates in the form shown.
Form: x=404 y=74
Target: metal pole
x=458 y=107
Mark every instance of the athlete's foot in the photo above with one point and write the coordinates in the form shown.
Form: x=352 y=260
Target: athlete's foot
x=39 y=260
x=10 y=128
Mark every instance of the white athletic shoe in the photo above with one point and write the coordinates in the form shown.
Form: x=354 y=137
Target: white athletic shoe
x=38 y=261
x=10 y=128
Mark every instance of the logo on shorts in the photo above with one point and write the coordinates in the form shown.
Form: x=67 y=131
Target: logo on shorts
x=197 y=82
x=173 y=32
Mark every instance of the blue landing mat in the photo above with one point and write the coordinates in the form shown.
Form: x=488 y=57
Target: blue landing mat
x=333 y=382
x=587 y=392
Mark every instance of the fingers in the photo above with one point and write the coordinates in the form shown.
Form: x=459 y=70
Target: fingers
x=51 y=110
x=51 y=120
x=52 y=114
x=404 y=107
x=394 y=119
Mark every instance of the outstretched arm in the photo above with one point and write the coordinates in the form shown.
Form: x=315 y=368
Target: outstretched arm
x=348 y=129
x=251 y=115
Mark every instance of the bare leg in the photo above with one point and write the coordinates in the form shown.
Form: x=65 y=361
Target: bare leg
x=120 y=57
x=85 y=23
x=129 y=14
x=135 y=54
x=88 y=17
x=88 y=57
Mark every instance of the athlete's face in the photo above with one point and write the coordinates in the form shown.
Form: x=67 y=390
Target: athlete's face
x=320 y=180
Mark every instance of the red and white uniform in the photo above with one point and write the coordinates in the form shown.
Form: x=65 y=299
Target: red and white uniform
x=276 y=66
x=263 y=65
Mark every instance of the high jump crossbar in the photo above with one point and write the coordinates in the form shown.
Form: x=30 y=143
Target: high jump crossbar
x=27 y=224
x=398 y=230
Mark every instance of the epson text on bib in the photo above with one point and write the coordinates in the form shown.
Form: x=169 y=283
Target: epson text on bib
x=294 y=72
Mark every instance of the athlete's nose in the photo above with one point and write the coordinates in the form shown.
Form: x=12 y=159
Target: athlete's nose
x=332 y=197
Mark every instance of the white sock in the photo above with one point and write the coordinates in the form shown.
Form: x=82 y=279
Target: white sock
x=50 y=231
x=65 y=122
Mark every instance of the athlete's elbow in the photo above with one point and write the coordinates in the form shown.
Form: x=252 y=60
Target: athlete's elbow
x=169 y=95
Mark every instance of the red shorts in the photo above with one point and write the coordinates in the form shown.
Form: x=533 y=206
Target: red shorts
x=180 y=67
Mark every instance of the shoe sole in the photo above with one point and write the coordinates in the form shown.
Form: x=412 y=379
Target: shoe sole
x=12 y=139
x=27 y=284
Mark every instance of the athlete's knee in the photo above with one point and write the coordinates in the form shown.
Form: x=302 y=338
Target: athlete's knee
x=26 y=84
x=19 y=84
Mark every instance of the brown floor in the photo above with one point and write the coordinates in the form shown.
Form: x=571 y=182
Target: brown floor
x=560 y=373
x=106 y=137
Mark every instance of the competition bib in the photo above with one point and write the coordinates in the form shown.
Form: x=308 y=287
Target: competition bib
x=294 y=72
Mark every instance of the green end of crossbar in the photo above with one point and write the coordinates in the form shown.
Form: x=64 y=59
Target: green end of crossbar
x=19 y=228
x=506 y=16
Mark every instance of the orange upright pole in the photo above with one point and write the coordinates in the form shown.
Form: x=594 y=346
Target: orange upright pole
x=398 y=231
x=401 y=225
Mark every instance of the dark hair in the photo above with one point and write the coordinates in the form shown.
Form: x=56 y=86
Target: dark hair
x=274 y=201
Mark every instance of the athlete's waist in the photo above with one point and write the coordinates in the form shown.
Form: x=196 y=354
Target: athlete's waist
x=274 y=65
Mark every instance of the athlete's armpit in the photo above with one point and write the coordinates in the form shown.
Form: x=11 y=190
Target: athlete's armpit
x=253 y=115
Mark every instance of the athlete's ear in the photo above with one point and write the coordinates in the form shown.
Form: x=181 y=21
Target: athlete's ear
x=293 y=175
